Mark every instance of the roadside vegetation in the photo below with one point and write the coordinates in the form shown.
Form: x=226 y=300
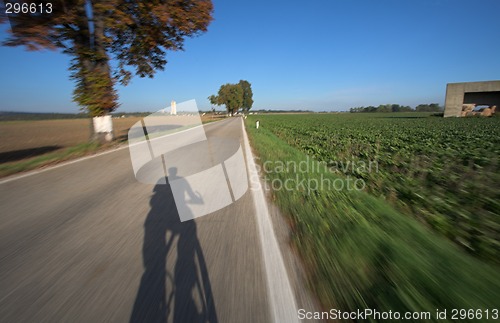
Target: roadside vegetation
x=377 y=248
x=443 y=172
x=51 y=158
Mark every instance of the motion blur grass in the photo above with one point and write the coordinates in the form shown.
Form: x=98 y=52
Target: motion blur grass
x=49 y=158
x=444 y=172
x=360 y=252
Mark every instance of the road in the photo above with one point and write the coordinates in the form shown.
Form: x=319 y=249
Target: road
x=86 y=242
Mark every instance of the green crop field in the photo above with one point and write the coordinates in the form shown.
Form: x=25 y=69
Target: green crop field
x=419 y=228
x=445 y=172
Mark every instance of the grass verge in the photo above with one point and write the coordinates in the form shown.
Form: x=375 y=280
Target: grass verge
x=80 y=150
x=361 y=253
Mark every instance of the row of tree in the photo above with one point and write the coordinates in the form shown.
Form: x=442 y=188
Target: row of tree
x=433 y=107
x=234 y=96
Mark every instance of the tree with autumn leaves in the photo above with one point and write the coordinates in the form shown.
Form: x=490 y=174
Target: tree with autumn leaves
x=234 y=96
x=110 y=41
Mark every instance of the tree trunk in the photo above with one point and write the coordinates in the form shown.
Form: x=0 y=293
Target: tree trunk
x=92 y=134
x=95 y=86
x=101 y=67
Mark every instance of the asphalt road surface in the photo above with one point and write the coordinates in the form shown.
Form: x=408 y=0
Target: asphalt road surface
x=87 y=242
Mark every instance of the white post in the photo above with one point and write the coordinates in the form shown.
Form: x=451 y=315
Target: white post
x=173 y=108
x=104 y=126
x=257 y=123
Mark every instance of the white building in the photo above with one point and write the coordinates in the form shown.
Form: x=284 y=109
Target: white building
x=173 y=108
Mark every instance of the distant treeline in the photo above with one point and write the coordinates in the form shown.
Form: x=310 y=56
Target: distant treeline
x=18 y=116
x=281 y=111
x=433 y=107
x=14 y=116
x=130 y=114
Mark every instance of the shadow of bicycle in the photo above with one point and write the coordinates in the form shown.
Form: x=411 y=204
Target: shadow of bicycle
x=184 y=295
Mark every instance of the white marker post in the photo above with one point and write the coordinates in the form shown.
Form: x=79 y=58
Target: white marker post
x=103 y=127
x=257 y=123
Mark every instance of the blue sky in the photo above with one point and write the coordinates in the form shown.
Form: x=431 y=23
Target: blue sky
x=318 y=55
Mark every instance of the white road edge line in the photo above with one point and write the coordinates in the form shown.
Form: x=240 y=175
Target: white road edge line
x=42 y=170
x=283 y=305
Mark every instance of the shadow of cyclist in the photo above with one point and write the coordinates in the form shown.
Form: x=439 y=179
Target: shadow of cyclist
x=185 y=295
